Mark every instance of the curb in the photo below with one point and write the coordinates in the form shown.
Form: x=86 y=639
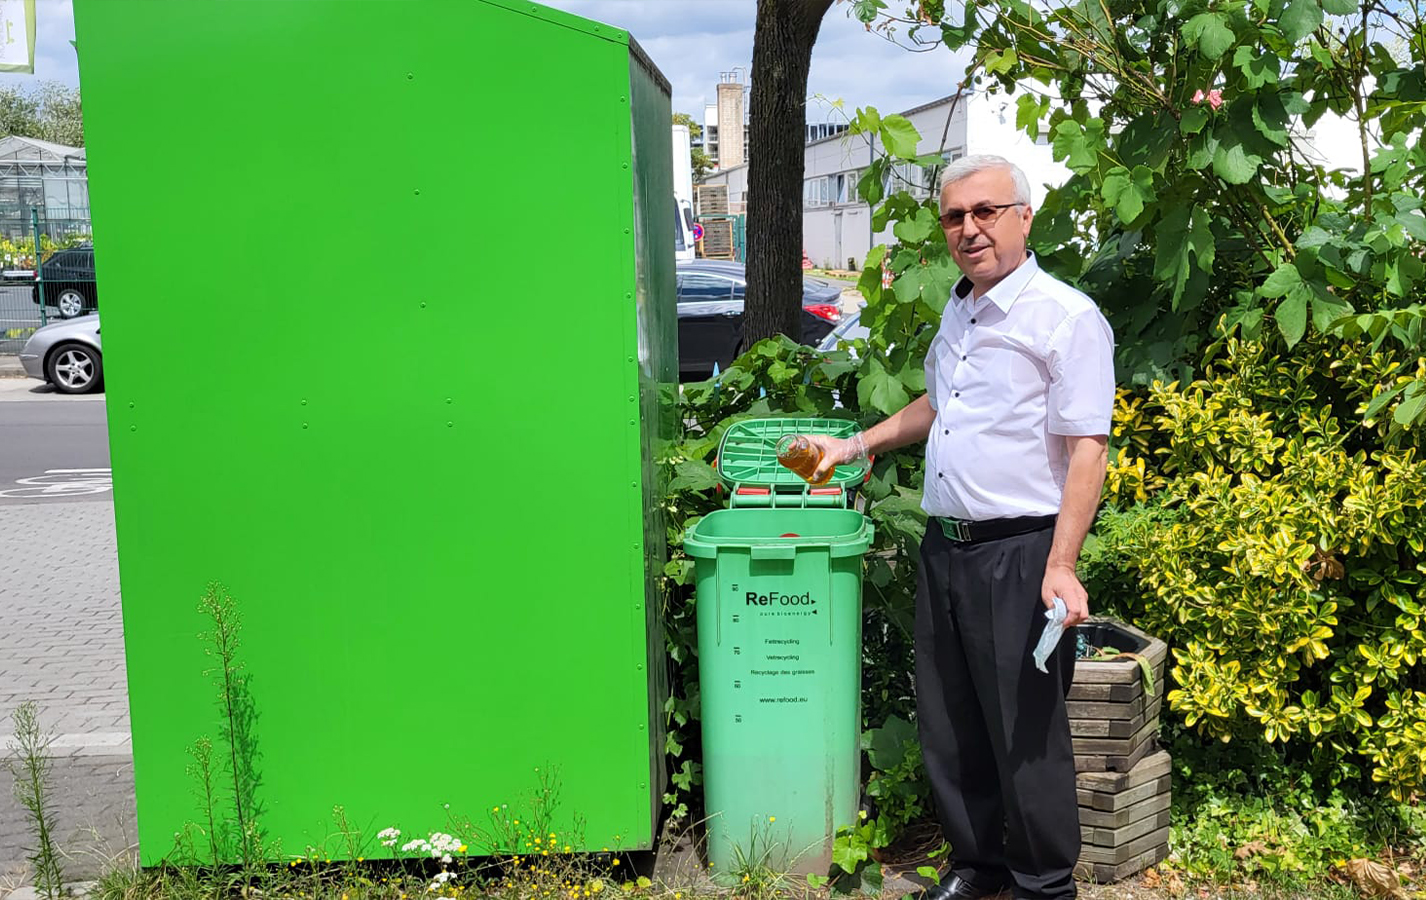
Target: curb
x=10 y=366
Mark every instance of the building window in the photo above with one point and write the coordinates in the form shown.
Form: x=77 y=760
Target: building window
x=816 y=192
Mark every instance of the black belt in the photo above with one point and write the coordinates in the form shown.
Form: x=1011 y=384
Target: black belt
x=962 y=531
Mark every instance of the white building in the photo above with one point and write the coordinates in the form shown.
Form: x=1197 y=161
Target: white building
x=836 y=224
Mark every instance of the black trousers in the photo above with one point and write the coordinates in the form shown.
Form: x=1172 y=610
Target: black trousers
x=993 y=728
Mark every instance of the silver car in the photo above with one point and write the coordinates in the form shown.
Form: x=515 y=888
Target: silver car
x=67 y=355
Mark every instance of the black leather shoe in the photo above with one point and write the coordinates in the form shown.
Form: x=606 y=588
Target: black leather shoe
x=957 y=888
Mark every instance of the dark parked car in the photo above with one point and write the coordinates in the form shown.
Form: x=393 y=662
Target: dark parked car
x=710 y=314
x=69 y=282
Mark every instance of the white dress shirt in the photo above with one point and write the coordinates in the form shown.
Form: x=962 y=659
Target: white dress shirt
x=1010 y=374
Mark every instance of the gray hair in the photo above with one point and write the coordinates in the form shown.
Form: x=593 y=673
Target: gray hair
x=966 y=166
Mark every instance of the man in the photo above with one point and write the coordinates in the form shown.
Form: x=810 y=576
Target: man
x=1020 y=390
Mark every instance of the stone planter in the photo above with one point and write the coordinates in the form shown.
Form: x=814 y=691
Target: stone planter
x=1112 y=718
x=1123 y=782
x=1123 y=819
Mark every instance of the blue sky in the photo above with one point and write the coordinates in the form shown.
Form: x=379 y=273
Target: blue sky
x=54 y=57
x=691 y=41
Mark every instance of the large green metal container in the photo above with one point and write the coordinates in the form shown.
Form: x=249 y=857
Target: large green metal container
x=388 y=305
x=779 y=580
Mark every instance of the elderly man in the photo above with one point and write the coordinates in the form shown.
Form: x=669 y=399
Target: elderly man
x=1020 y=389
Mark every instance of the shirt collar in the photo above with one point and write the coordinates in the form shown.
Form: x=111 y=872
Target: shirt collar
x=1004 y=293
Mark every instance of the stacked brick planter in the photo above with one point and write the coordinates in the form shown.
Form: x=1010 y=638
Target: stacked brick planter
x=1123 y=781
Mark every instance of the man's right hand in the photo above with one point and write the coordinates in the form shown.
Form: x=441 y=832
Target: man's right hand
x=835 y=452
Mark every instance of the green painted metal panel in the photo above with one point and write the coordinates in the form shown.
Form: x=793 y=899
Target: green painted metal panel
x=657 y=326
x=373 y=363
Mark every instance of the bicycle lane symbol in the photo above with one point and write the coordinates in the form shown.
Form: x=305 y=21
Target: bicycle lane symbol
x=59 y=483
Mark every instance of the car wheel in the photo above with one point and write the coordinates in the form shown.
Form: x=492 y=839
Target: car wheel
x=71 y=302
x=75 y=369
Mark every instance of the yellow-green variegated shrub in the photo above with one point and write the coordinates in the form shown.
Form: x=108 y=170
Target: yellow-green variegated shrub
x=1275 y=539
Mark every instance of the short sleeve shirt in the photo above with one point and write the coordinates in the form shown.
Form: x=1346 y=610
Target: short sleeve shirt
x=1010 y=374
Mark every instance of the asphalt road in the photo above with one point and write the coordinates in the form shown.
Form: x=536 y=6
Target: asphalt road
x=55 y=447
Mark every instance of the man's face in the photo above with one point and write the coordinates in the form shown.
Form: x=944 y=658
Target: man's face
x=986 y=251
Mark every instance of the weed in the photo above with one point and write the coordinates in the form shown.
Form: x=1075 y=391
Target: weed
x=31 y=771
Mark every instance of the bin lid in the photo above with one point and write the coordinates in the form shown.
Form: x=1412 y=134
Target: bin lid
x=747 y=463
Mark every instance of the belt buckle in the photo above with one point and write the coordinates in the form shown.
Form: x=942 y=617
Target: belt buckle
x=955 y=529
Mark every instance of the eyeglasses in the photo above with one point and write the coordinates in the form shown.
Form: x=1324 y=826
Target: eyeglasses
x=983 y=214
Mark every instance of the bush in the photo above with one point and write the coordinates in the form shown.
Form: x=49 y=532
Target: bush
x=1272 y=535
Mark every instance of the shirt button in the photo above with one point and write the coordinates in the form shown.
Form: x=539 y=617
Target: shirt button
x=972 y=321
x=963 y=359
x=938 y=474
x=958 y=393
x=947 y=431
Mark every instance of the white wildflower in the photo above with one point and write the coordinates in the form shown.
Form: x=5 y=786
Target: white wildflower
x=389 y=836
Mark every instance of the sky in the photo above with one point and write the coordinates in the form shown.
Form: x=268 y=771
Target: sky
x=55 y=59
x=691 y=41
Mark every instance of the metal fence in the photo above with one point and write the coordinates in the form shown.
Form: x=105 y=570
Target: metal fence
x=66 y=271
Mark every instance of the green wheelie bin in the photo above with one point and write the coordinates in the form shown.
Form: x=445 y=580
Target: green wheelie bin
x=779 y=580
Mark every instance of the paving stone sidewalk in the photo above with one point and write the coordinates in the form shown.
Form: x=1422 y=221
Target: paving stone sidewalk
x=61 y=645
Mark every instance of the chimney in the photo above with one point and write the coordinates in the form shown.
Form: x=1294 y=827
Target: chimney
x=730 y=120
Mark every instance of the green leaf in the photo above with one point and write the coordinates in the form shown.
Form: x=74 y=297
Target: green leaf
x=1209 y=31
x=1258 y=68
x=899 y=136
x=886 y=746
x=1381 y=400
x=1234 y=163
x=1200 y=238
x=1000 y=63
x=1171 y=256
x=1193 y=120
x=1300 y=18
x=1270 y=119
x=1312 y=237
x=930 y=872
x=848 y=854
x=1028 y=112
x=1079 y=146
x=917 y=228
x=1128 y=192
x=880 y=390
x=693 y=475
x=1340 y=7
x=1291 y=316
x=1414 y=224
x=1283 y=280
x=1413 y=406
x=1327 y=308
x=870 y=186
x=907 y=287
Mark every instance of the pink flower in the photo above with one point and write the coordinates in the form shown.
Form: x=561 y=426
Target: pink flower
x=1198 y=97
x=1215 y=98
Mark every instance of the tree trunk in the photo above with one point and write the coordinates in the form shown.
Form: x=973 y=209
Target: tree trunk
x=782 y=55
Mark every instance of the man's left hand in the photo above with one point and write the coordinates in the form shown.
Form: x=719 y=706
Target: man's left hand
x=1062 y=582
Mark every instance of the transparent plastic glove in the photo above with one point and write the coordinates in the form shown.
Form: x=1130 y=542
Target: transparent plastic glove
x=1050 y=638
